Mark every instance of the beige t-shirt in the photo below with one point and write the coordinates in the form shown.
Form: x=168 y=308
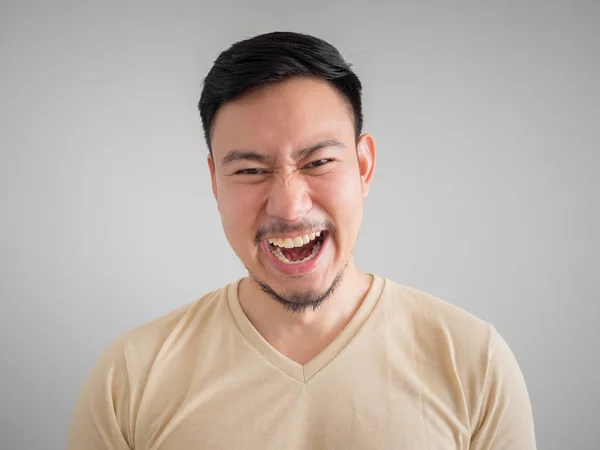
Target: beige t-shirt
x=409 y=371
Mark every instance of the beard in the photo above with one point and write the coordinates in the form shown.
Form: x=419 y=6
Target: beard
x=298 y=301
x=301 y=301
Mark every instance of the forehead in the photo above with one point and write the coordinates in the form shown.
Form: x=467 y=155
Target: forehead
x=283 y=116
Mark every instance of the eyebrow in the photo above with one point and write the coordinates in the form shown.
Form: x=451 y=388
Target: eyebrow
x=248 y=155
x=306 y=152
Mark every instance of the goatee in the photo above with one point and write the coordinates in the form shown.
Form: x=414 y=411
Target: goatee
x=300 y=301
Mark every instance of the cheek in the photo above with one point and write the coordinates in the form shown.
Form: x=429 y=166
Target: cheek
x=238 y=206
x=341 y=197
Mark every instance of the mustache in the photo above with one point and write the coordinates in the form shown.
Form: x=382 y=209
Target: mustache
x=301 y=227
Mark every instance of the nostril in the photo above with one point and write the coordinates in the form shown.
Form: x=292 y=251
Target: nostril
x=288 y=205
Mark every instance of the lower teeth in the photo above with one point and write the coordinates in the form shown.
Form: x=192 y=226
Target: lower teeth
x=277 y=253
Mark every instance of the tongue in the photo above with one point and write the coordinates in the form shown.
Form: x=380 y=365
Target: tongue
x=298 y=253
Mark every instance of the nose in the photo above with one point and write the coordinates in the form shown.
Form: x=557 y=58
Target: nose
x=288 y=198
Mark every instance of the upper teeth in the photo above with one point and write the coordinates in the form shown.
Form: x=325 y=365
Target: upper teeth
x=298 y=241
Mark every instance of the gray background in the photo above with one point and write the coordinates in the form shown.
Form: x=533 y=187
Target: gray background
x=486 y=116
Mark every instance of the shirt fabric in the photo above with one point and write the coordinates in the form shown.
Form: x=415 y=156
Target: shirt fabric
x=409 y=371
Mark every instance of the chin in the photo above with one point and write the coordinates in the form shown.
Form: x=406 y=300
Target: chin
x=301 y=293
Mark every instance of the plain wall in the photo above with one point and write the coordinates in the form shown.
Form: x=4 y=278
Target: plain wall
x=486 y=117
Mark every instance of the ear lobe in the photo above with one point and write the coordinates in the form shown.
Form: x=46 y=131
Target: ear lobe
x=366 y=153
x=213 y=177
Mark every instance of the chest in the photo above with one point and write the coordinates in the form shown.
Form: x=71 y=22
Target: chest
x=382 y=409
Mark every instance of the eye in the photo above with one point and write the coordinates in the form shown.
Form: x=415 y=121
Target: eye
x=317 y=163
x=250 y=172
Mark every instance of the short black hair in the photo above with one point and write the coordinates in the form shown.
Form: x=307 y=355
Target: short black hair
x=273 y=57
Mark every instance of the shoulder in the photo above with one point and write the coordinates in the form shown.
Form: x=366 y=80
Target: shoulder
x=458 y=352
x=119 y=376
x=133 y=353
x=451 y=342
x=143 y=342
x=434 y=315
x=114 y=387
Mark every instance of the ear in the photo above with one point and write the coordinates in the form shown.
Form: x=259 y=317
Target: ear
x=213 y=176
x=365 y=149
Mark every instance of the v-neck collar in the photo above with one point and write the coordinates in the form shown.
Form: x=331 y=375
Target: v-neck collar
x=305 y=372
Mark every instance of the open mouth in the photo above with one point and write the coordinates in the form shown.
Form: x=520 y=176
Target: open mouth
x=297 y=250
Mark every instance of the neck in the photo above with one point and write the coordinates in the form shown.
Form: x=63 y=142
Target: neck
x=301 y=335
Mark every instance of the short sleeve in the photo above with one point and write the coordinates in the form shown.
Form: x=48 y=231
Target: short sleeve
x=505 y=420
x=100 y=417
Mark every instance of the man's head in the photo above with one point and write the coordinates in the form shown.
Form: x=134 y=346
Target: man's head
x=282 y=119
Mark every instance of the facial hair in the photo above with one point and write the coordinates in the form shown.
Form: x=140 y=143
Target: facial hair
x=298 y=301
x=301 y=301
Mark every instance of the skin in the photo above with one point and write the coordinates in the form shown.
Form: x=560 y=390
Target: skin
x=285 y=161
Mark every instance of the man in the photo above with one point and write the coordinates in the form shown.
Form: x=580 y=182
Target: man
x=307 y=352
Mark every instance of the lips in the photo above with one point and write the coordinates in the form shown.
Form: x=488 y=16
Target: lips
x=278 y=260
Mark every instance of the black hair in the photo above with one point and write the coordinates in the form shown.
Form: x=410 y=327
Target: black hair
x=271 y=58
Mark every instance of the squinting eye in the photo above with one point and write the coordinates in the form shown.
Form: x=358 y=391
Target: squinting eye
x=317 y=163
x=250 y=172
